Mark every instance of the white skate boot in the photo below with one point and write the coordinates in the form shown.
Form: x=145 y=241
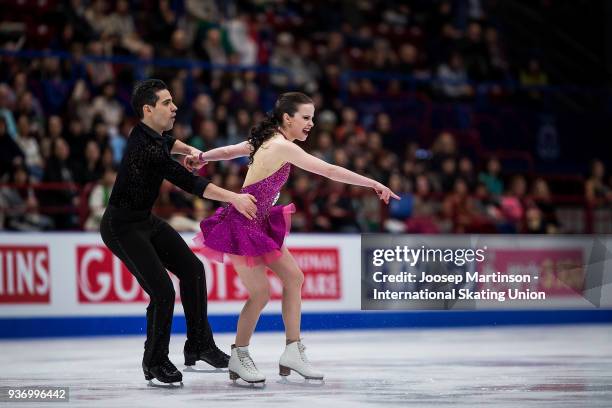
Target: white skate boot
x=241 y=365
x=294 y=358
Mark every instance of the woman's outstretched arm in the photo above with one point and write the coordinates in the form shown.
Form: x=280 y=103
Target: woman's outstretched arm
x=197 y=159
x=226 y=152
x=298 y=157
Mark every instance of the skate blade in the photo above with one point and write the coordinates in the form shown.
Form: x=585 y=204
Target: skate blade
x=286 y=371
x=244 y=383
x=251 y=385
x=155 y=383
x=193 y=369
x=307 y=383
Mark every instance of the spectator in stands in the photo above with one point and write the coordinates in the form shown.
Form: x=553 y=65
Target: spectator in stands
x=408 y=59
x=242 y=42
x=238 y=126
x=460 y=209
x=163 y=24
x=29 y=146
x=466 y=172
x=98 y=72
x=73 y=13
x=498 y=61
x=98 y=198
x=453 y=80
x=425 y=209
x=491 y=177
x=92 y=170
x=444 y=147
x=76 y=138
x=29 y=105
x=541 y=198
x=534 y=221
x=212 y=47
x=384 y=127
x=63 y=200
x=179 y=45
x=10 y=153
x=399 y=210
x=203 y=108
x=19 y=205
x=324 y=149
x=120 y=24
x=55 y=127
x=291 y=68
x=118 y=140
x=96 y=14
x=475 y=52
x=597 y=193
x=302 y=196
x=7 y=102
x=512 y=203
x=108 y=107
x=100 y=132
x=207 y=137
x=448 y=175
x=349 y=125
x=335 y=210
x=533 y=77
x=108 y=159
x=79 y=106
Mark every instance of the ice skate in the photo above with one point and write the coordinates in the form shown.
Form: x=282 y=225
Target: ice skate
x=165 y=373
x=208 y=353
x=241 y=365
x=294 y=358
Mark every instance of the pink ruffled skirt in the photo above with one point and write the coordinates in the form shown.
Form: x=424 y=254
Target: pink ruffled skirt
x=253 y=242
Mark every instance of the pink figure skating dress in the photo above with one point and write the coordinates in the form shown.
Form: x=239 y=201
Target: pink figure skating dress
x=256 y=241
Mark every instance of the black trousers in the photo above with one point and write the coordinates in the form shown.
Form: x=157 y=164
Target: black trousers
x=148 y=246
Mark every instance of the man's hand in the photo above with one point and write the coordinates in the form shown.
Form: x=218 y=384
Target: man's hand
x=245 y=204
x=193 y=163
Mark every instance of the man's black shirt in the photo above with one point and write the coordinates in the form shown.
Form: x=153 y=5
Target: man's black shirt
x=146 y=162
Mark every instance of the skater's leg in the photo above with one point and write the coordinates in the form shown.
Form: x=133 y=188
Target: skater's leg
x=180 y=260
x=256 y=283
x=290 y=274
x=294 y=357
x=131 y=244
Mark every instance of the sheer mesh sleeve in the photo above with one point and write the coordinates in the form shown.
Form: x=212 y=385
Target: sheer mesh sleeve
x=182 y=178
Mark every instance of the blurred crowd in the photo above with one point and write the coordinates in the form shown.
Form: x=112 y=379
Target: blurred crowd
x=65 y=119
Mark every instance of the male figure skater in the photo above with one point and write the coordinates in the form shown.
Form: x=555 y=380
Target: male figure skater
x=147 y=245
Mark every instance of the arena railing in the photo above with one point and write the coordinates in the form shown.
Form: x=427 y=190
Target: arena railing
x=576 y=214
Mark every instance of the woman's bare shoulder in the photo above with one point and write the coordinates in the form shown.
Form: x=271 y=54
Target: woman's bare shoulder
x=278 y=143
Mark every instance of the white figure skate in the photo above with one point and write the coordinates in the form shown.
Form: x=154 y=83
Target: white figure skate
x=241 y=365
x=294 y=358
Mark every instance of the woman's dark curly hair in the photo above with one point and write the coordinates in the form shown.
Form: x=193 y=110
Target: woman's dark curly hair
x=287 y=103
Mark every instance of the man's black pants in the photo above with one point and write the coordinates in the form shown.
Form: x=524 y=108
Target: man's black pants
x=148 y=246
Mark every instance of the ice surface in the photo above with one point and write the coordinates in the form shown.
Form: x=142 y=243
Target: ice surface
x=560 y=366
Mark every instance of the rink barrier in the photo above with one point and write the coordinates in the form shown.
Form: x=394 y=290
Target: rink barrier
x=69 y=284
x=136 y=325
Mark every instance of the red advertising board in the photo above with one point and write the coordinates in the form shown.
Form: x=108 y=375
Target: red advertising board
x=558 y=272
x=102 y=278
x=24 y=274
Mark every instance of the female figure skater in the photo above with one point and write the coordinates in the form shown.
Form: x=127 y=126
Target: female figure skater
x=253 y=245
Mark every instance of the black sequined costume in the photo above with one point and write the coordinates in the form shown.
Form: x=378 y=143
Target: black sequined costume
x=148 y=246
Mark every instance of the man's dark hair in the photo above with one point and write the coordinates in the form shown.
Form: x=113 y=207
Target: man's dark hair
x=145 y=94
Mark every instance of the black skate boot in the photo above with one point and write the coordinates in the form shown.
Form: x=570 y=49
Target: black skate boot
x=205 y=350
x=164 y=372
